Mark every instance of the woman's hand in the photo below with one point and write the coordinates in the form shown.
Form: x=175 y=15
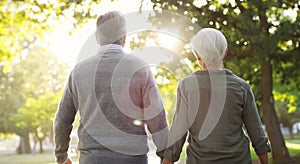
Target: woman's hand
x=263 y=158
x=68 y=161
x=166 y=161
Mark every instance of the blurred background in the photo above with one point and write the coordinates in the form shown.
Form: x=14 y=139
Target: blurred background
x=42 y=40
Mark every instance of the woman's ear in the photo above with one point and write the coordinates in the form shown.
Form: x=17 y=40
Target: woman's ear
x=225 y=54
x=196 y=54
x=200 y=61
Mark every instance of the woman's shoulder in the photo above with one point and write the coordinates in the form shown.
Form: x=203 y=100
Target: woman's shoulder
x=237 y=79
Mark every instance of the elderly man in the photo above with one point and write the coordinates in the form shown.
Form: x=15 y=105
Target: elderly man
x=213 y=105
x=115 y=96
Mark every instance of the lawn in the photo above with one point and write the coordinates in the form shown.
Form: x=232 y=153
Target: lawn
x=293 y=146
x=47 y=158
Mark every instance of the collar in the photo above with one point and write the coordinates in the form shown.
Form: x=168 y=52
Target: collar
x=111 y=48
x=214 y=71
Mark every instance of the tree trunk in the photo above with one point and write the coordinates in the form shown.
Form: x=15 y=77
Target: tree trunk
x=34 y=146
x=24 y=145
x=41 y=145
x=280 y=153
x=291 y=131
x=40 y=140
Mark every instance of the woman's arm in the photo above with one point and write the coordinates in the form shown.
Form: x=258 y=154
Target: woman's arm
x=263 y=158
x=254 y=128
x=179 y=128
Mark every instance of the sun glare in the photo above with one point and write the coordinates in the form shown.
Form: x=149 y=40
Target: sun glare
x=166 y=40
x=68 y=47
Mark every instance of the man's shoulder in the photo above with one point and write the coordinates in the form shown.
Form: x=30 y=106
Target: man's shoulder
x=86 y=62
x=134 y=62
x=133 y=58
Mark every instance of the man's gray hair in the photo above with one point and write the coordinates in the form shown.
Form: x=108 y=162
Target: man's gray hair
x=111 y=28
x=211 y=46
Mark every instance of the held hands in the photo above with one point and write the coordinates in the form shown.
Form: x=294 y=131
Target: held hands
x=68 y=161
x=166 y=161
x=263 y=158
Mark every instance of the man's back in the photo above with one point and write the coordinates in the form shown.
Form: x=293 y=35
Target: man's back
x=115 y=95
x=100 y=109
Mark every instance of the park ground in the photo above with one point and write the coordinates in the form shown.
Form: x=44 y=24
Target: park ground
x=47 y=158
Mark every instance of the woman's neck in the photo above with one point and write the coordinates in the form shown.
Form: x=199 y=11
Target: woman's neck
x=214 y=68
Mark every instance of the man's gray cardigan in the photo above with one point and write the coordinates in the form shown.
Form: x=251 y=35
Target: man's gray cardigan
x=116 y=96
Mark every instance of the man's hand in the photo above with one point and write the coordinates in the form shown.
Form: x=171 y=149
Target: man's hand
x=68 y=161
x=166 y=161
x=263 y=159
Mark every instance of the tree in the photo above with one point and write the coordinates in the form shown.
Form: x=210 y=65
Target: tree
x=22 y=25
x=24 y=22
x=36 y=117
x=31 y=82
x=286 y=90
x=258 y=33
x=288 y=110
x=10 y=99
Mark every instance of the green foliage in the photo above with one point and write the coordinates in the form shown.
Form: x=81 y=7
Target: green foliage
x=255 y=30
x=37 y=114
x=288 y=108
x=166 y=73
x=139 y=40
x=289 y=99
x=263 y=40
x=24 y=22
x=167 y=84
x=30 y=92
x=10 y=99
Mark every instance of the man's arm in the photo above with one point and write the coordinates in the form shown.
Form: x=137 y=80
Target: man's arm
x=63 y=123
x=153 y=109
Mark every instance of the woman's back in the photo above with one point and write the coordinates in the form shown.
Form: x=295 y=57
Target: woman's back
x=226 y=139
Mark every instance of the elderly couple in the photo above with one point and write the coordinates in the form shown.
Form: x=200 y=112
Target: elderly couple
x=116 y=97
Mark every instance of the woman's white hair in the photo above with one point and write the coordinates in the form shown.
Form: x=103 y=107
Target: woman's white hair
x=111 y=28
x=210 y=45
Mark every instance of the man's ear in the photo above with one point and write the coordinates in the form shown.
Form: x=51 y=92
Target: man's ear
x=97 y=38
x=123 y=40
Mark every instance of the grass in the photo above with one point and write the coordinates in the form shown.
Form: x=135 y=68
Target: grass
x=293 y=146
x=46 y=158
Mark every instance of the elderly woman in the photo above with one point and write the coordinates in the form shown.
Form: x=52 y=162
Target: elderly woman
x=213 y=106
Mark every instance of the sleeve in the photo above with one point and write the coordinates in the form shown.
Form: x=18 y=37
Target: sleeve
x=179 y=128
x=154 y=113
x=253 y=125
x=63 y=122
